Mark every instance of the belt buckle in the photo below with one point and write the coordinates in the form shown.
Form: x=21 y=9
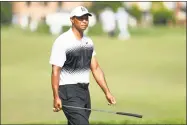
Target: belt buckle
x=83 y=85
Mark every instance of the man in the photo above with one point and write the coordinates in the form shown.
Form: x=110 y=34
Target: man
x=122 y=23
x=72 y=57
x=107 y=18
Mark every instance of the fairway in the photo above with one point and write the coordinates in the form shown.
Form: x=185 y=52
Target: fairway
x=146 y=74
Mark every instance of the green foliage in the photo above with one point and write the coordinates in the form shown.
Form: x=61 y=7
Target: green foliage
x=43 y=28
x=6 y=12
x=161 y=15
x=97 y=7
x=136 y=12
x=65 y=28
x=95 y=30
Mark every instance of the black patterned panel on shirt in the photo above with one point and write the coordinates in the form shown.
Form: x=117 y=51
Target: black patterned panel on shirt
x=78 y=59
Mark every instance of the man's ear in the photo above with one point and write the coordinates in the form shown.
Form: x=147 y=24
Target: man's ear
x=72 y=19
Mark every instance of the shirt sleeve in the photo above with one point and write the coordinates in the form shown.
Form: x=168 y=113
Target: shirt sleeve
x=94 y=53
x=58 y=53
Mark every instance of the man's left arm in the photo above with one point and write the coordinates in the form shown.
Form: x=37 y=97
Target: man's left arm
x=100 y=79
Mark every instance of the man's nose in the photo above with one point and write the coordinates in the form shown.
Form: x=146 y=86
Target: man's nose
x=84 y=20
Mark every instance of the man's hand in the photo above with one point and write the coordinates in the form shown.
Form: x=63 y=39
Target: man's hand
x=110 y=98
x=57 y=105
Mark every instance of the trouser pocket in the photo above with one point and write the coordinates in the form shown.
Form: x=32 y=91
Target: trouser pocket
x=62 y=92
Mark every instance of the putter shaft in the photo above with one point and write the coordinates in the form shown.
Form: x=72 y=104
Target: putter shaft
x=99 y=110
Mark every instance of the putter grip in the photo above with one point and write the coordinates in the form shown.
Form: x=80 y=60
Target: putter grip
x=129 y=114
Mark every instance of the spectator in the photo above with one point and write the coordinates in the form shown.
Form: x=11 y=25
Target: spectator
x=107 y=18
x=122 y=23
x=24 y=21
x=145 y=8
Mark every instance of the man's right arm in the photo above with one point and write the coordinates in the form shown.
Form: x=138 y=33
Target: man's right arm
x=57 y=59
x=55 y=76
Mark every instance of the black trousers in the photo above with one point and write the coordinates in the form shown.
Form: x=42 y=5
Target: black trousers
x=76 y=95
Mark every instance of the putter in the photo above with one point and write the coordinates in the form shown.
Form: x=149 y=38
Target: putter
x=118 y=113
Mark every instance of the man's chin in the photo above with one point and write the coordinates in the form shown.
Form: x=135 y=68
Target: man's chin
x=83 y=29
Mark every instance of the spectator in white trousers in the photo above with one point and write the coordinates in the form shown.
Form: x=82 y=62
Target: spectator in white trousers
x=107 y=18
x=122 y=23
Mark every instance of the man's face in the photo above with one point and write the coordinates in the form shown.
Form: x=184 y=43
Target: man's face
x=81 y=23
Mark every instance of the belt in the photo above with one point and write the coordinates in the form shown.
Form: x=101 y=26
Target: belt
x=83 y=85
x=80 y=85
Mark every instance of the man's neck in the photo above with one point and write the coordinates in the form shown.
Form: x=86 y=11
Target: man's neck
x=78 y=34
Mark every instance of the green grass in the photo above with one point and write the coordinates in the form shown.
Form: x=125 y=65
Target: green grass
x=146 y=74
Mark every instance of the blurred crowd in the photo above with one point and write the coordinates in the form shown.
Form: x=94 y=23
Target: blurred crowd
x=56 y=17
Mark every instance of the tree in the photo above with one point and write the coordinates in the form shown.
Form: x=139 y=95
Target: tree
x=6 y=12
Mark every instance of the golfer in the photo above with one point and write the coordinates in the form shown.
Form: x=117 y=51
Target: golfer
x=72 y=58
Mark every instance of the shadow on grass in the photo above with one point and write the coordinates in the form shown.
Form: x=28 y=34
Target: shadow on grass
x=125 y=122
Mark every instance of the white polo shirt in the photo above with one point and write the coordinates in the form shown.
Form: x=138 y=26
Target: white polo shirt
x=74 y=56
